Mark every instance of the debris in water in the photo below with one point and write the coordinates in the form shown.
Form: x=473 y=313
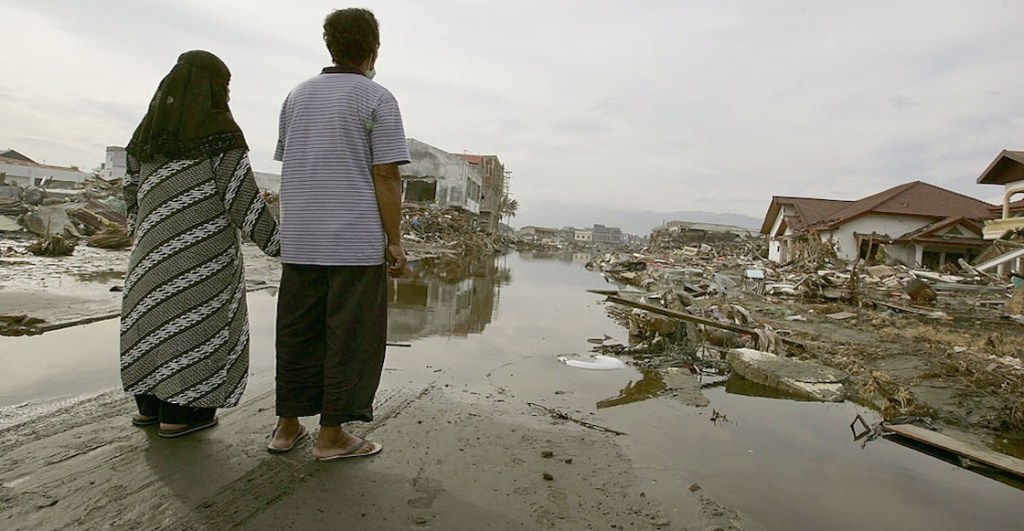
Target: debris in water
x=600 y=363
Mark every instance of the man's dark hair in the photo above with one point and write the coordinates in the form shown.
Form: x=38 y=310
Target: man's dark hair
x=352 y=35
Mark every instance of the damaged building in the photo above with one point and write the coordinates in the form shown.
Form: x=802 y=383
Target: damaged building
x=531 y=233
x=435 y=177
x=494 y=184
x=17 y=169
x=1006 y=170
x=677 y=234
x=916 y=224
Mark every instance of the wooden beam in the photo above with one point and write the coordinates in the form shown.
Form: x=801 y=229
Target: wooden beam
x=973 y=452
x=680 y=315
x=908 y=309
x=999 y=260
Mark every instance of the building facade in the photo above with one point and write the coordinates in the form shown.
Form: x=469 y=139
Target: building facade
x=116 y=164
x=606 y=236
x=494 y=187
x=436 y=177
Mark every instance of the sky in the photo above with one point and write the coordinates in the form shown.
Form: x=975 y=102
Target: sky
x=628 y=105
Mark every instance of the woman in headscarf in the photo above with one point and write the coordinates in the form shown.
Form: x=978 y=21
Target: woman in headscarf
x=190 y=192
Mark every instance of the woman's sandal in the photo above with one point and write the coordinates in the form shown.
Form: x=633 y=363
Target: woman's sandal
x=188 y=428
x=142 y=421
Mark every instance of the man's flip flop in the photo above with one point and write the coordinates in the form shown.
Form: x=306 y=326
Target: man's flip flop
x=191 y=428
x=375 y=447
x=143 y=421
x=282 y=449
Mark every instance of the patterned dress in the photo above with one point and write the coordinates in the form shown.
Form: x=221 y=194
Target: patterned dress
x=184 y=321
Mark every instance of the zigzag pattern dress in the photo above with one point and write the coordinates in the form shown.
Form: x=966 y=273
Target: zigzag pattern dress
x=184 y=321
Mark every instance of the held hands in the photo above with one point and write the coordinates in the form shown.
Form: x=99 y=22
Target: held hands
x=395 y=257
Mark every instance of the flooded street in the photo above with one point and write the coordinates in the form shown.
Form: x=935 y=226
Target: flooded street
x=496 y=329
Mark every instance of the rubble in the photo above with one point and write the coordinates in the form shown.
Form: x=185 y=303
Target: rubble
x=60 y=218
x=111 y=237
x=946 y=344
x=804 y=378
x=52 y=245
x=447 y=233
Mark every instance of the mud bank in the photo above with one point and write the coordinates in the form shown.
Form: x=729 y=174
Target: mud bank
x=453 y=460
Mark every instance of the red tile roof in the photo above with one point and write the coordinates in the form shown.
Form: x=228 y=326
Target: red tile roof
x=911 y=199
x=1016 y=207
x=929 y=231
x=808 y=211
x=472 y=159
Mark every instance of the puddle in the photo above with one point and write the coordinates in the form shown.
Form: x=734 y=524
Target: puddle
x=794 y=465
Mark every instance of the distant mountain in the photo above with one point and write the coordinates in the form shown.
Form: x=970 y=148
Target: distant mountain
x=637 y=222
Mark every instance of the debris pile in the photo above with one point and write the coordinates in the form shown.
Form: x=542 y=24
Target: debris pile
x=448 y=232
x=911 y=341
x=52 y=245
x=59 y=219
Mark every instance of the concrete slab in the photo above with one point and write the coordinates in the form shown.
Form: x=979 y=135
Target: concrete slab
x=805 y=378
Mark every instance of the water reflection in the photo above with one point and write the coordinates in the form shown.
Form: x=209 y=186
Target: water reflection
x=570 y=257
x=445 y=298
x=736 y=385
x=962 y=462
x=650 y=386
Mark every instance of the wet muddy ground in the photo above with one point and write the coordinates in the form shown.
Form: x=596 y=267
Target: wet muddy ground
x=464 y=447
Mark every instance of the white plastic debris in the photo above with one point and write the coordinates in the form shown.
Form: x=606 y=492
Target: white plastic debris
x=599 y=363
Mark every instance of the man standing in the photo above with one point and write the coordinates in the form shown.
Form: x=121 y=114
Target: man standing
x=341 y=142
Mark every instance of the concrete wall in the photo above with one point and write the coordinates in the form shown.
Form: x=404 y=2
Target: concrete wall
x=894 y=226
x=458 y=183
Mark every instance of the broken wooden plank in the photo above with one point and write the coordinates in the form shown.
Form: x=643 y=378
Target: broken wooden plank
x=694 y=318
x=973 y=452
x=680 y=315
x=999 y=260
x=908 y=309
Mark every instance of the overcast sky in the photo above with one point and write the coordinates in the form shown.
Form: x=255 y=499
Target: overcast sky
x=660 y=105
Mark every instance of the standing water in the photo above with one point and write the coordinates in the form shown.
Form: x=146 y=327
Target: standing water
x=499 y=327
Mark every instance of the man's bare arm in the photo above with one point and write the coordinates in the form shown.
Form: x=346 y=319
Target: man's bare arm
x=387 y=184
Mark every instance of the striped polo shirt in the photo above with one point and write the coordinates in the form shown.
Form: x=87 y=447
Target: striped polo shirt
x=334 y=128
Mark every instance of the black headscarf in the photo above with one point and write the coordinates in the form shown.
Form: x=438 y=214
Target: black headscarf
x=188 y=117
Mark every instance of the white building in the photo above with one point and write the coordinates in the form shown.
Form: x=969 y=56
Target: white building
x=116 y=164
x=23 y=171
x=917 y=223
x=538 y=234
